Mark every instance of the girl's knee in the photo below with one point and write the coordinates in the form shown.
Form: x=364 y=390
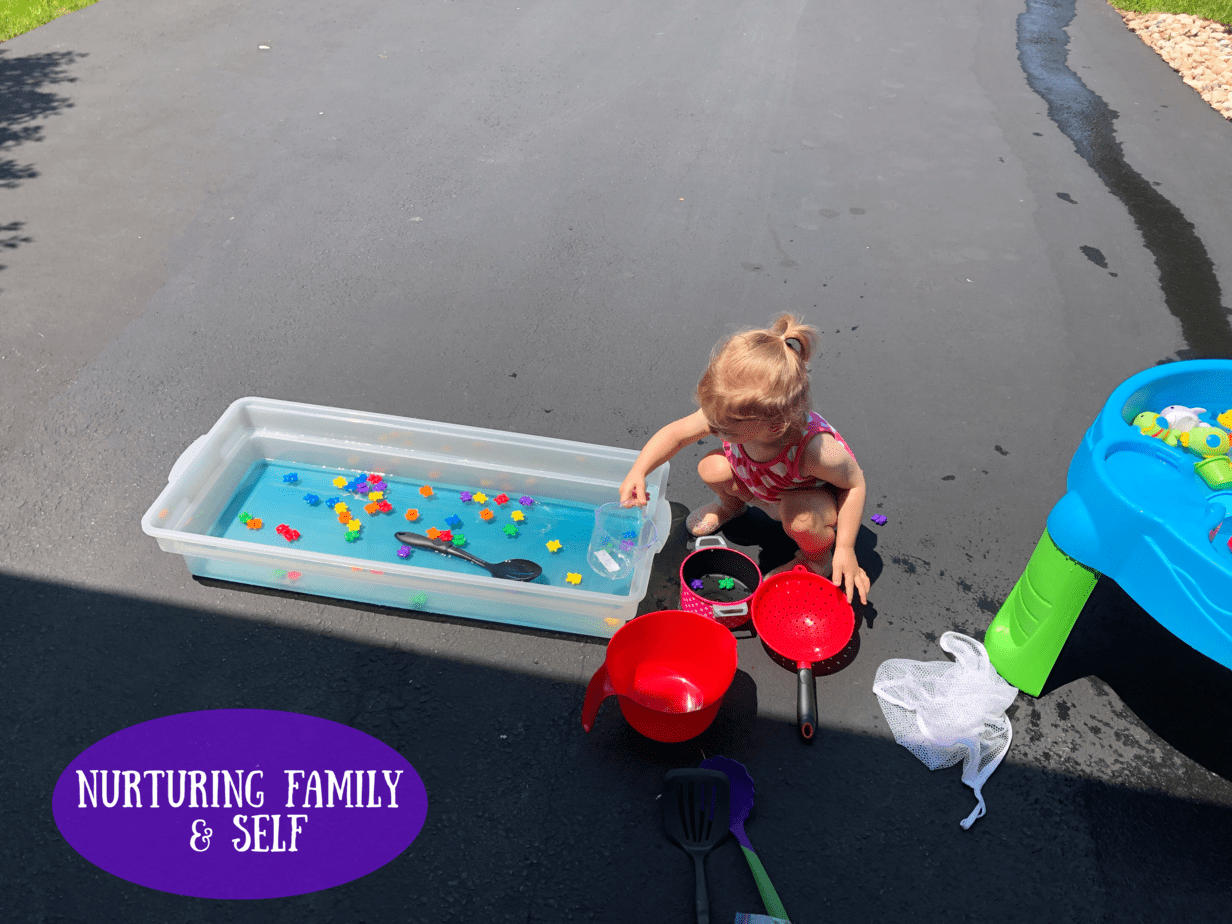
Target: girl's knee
x=714 y=468
x=809 y=512
x=716 y=472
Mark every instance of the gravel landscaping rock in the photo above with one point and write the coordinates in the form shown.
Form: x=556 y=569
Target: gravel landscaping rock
x=1200 y=50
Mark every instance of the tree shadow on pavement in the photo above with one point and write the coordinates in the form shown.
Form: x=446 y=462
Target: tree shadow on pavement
x=26 y=99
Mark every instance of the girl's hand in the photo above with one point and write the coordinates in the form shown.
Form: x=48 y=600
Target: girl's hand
x=633 y=491
x=847 y=571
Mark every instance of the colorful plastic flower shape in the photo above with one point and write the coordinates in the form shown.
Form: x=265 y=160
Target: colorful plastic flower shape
x=697 y=583
x=412 y=514
x=339 y=482
x=554 y=545
x=453 y=520
x=510 y=530
x=486 y=514
x=726 y=583
x=526 y=500
x=518 y=515
x=290 y=477
x=404 y=552
x=480 y=497
x=465 y=496
x=573 y=577
x=426 y=490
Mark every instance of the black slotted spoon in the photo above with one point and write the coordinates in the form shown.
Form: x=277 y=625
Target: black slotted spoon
x=696 y=813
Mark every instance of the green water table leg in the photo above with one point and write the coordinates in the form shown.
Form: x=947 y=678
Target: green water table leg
x=1027 y=635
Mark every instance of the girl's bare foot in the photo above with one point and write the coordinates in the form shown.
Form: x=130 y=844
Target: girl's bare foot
x=710 y=518
x=821 y=564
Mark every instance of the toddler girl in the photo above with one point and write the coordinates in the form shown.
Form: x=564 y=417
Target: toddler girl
x=778 y=454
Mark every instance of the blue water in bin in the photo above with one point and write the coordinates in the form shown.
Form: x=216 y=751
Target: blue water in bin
x=263 y=493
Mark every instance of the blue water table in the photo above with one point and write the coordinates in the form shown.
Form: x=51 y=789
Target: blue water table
x=1148 y=504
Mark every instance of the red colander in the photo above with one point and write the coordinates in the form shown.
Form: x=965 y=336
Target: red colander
x=669 y=671
x=804 y=618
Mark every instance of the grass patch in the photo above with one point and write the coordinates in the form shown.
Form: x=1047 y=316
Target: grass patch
x=18 y=16
x=1218 y=10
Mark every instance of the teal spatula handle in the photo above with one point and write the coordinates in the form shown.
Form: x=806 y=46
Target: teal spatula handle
x=769 y=897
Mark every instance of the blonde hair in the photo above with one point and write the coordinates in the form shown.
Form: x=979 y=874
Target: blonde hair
x=757 y=374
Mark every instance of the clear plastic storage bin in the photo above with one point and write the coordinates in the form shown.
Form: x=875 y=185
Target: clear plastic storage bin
x=204 y=482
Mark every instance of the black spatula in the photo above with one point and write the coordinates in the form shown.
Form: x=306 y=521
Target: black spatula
x=696 y=812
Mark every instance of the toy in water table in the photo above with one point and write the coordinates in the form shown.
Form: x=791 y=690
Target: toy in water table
x=1140 y=511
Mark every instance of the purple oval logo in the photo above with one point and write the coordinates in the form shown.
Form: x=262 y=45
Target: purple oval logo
x=239 y=803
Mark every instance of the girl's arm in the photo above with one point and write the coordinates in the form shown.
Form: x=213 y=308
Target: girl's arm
x=658 y=449
x=826 y=458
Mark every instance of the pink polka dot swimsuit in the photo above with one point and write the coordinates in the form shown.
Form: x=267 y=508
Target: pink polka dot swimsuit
x=768 y=480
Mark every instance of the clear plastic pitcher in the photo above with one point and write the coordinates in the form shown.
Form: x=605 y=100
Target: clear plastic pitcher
x=621 y=538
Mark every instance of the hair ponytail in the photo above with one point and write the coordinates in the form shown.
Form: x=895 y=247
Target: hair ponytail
x=791 y=328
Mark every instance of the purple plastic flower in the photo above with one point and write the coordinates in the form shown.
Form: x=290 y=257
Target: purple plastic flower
x=525 y=500
x=465 y=496
x=404 y=552
x=379 y=486
x=879 y=519
x=697 y=584
x=362 y=487
x=626 y=545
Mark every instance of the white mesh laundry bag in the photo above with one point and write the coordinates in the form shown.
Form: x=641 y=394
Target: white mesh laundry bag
x=944 y=712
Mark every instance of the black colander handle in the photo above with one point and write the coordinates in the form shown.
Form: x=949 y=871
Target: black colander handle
x=806 y=701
